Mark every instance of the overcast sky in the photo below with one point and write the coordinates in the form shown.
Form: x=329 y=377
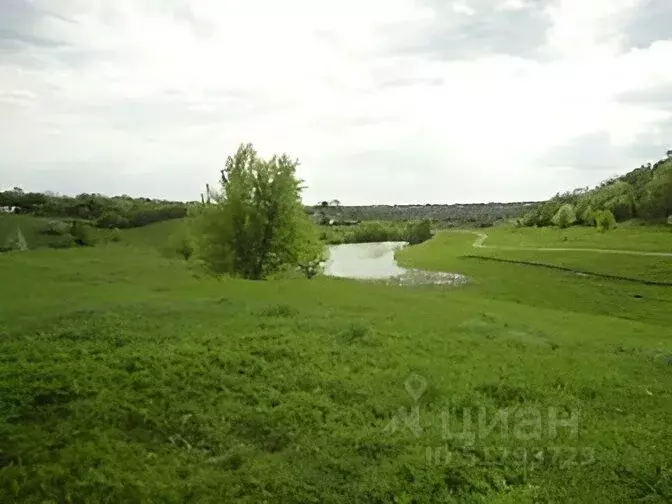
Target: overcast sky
x=382 y=101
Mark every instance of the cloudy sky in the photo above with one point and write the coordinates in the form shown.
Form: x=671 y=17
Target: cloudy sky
x=383 y=101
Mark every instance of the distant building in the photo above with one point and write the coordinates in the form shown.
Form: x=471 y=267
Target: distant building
x=8 y=209
x=669 y=153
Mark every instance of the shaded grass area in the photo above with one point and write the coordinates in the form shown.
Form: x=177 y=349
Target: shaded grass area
x=128 y=377
x=628 y=237
x=156 y=235
x=658 y=270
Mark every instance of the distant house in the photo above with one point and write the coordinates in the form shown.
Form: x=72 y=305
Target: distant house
x=669 y=153
x=8 y=209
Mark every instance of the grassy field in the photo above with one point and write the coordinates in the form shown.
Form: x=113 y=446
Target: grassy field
x=129 y=377
x=624 y=237
x=30 y=228
x=575 y=248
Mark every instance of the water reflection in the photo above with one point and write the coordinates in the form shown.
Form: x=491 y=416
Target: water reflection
x=364 y=260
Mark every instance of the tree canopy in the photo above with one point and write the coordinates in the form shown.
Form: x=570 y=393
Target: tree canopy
x=644 y=193
x=103 y=211
x=256 y=224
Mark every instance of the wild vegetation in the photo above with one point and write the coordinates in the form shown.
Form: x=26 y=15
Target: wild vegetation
x=413 y=232
x=129 y=377
x=257 y=225
x=129 y=372
x=644 y=193
x=474 y=215
x=101 y=211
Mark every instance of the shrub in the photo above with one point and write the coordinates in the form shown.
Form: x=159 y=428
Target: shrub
x=546 y=213
x=55 y=228
x=529 y=219
x=588 y=216
x=419 y=232
x=621 y=207
x=565 y=216
x=184 y=248
x=279 y=310
x=112 y=219
x=16 y=242
x=605 y=220
x=371 y=232
x=182 y=243
x=82 y=234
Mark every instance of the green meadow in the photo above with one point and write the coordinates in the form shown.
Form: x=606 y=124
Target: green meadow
x=127 y=375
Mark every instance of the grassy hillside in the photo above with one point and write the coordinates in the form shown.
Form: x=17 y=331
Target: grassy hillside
x=570 y=248
x=624 y=237
x=129 y=377
x=155 y=235
x=30 y=226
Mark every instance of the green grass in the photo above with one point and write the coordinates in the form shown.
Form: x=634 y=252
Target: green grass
x=156 y=235
x=30 y=227
x=628 y=236
x=129 y=377
x=528 y=244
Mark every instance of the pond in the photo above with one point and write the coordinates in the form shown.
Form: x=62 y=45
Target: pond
x=367 y=261
x=375 y=261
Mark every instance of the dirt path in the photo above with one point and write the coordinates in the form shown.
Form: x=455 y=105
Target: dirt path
x=482 y=237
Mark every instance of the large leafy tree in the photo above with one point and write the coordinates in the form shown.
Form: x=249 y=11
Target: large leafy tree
x=256 y=225
x=565 y=217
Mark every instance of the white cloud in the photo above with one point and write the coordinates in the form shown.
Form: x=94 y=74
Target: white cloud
x=150 y=96
x=463 y=8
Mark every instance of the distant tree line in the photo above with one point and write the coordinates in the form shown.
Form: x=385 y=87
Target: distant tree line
x=644 y=193
x=413 y=232
x=475 y=214
x=102 y=211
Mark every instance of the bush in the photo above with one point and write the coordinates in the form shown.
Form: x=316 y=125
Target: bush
x=546 y=213
x=112 y=219
x=82 y=234
x=605 y=220
x=529 y=219
x=15 y=242
x=372 y=232
x=565 y=216
x=184 y=247
x=55 y=228
x=588 y=216
x=419 y=232
x=311 y=268
x=621 y=207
